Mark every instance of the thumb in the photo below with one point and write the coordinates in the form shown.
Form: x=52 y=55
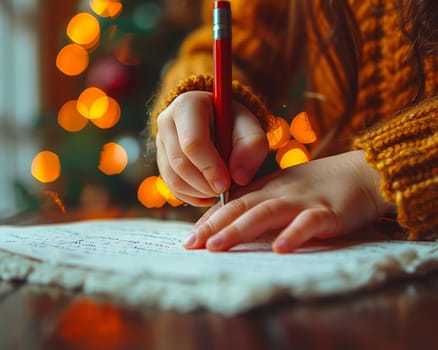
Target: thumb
x=250 y=146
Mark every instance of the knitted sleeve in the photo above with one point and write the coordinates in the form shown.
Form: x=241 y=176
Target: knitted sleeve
x=256 y=45
x=405 y=151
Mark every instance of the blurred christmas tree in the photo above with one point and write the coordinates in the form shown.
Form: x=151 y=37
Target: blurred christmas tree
x=118 y=49
x=93 y=149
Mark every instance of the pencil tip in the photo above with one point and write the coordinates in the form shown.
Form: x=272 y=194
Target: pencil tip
x=224 y=197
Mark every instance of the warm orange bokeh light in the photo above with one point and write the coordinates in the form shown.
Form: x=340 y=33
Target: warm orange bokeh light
x=92 y=103
x=88 y=325
x=278 y=134
x=46 y=167
x=84 y=29
x=106 y=8
x=173 y=201
x=113 y=159
x=291 y=154
x=72 y=59
x=148 y=194
x=167 y=194
x=301 y=129
x=162 y=188
x=110 y=117
x=70 y=119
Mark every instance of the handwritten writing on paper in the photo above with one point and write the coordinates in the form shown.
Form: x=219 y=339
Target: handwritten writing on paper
x=138 y=245
x=153 y=248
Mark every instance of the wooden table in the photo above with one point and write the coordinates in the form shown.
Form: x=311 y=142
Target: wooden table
x=399 y=315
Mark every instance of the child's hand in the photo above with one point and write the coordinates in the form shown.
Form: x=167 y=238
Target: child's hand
x=187 y=157
x=322 y=198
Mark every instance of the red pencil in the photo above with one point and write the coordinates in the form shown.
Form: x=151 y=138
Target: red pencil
x=223 y=122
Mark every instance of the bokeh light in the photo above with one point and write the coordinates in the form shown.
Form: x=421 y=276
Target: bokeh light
x=147 y=15
x=173 y=201
x=162 y=188
x=46 y=167
x=72 y=59
x=106 y=8
x=113 y=159
x=278 y=135
x=154 y=193
x=148 y=193
x=301 y=129
x=293 y=153
x=110 y=117
x=89 y=325
x=70 y=119
x=131 y=146
x=167 y=194
x=92 y=103
x=84 y=29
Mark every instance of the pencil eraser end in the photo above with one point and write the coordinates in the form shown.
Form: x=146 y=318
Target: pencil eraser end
x=221 y=4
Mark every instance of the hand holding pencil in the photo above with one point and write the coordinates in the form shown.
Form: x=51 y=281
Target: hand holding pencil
x=198 y=163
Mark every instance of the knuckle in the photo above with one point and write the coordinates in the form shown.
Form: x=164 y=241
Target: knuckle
x=180 y=102
x=199 y=99
x=267 y=209
x=326 y=219
x=316 y=217
x=207 y=170
x=174 y=184
x=173 y=181
x=239 y=205
x=179 y=164
x=163 y=120
x=191 y=145
x=208 y=229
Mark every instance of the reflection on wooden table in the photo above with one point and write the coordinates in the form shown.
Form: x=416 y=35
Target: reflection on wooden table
x=399 y=315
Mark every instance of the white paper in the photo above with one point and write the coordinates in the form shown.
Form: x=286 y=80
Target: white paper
x=143 y=261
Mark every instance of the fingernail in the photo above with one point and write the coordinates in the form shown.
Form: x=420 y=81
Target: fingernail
x=243 y=176
x=282 y=246
x=219 y=186
x=215 y=243
x=190 y=241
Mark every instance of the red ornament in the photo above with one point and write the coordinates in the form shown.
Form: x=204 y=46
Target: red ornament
x=113 y=77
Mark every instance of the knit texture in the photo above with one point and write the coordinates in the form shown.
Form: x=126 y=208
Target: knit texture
x=404 y=150
x=240 y=93
x=397 y=130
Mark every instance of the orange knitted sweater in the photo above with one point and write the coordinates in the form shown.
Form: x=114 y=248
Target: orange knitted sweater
x=399 y=137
